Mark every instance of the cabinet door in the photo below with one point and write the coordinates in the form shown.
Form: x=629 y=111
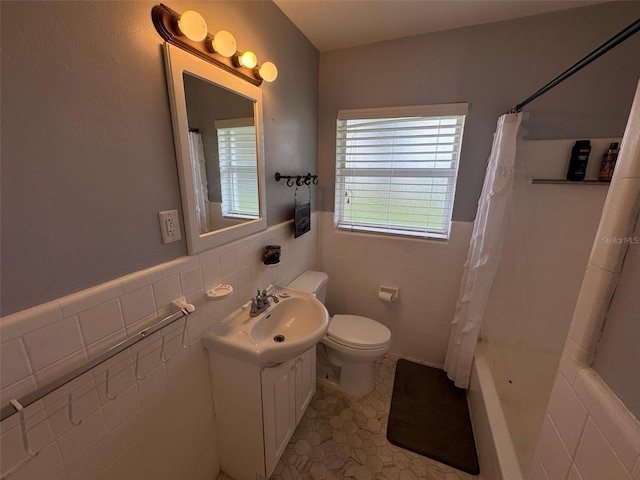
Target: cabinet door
x=305 y=381
x=278 y=410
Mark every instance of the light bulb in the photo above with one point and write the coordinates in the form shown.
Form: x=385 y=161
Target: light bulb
x=267 y=72
x=224 y=43
x=248 y=59
x=192 y=25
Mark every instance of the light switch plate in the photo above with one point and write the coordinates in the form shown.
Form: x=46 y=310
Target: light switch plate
x=169 y=226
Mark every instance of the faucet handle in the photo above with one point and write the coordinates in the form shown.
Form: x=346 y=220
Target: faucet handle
x=254 y=306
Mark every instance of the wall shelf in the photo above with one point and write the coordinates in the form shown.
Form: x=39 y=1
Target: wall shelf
x=558 y=181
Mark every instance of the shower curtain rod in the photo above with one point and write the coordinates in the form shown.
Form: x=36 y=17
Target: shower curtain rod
x=601 y=50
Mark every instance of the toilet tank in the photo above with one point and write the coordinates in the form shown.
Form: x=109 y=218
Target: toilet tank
x=312 y=282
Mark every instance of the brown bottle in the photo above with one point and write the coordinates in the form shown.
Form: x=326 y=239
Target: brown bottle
x=608 y=163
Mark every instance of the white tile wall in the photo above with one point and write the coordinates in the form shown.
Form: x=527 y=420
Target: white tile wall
x=158 y=422
x=568 y=413
x=428 y=274
x=596 y=458
x=554 y=456
x=43 y=352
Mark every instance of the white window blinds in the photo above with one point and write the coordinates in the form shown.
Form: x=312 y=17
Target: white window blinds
x=396 y=169
x=238 y=167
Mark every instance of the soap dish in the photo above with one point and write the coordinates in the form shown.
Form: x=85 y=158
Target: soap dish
x=220 y=292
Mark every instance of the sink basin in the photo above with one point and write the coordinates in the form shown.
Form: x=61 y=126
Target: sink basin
x=283 y=331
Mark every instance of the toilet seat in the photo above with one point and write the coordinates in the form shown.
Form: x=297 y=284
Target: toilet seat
x=358 y=332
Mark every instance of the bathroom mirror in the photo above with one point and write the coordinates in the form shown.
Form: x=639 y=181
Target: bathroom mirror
x=217 y=130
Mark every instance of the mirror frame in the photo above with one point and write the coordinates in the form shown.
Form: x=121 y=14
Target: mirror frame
x=177 y=62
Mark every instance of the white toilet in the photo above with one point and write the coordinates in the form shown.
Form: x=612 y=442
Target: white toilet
x=351 y=346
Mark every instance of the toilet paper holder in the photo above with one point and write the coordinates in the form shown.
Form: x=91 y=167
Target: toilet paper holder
x=387 y=293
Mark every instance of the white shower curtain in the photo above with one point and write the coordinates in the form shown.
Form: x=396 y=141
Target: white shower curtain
x=200 y=186
x=484 y=251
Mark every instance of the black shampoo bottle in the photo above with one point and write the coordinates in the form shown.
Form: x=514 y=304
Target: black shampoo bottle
x=578 y=162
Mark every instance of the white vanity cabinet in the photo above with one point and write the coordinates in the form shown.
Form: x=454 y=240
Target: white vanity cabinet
x=258 y=409
x=305 y=381
x=286 y=392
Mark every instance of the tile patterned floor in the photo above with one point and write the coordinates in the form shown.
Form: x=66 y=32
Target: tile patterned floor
x=344 y=437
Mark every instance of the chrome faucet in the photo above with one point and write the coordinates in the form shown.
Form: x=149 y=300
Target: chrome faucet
x=260 y=302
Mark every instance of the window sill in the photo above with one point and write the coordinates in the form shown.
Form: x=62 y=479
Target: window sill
x=391 y=233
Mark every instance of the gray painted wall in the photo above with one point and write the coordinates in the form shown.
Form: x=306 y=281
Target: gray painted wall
x=86 y=141
x=493 y=67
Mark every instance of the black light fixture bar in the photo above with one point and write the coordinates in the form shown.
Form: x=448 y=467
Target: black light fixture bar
x=165 y=20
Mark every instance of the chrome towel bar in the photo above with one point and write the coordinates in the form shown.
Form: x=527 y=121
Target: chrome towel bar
x=10 y=409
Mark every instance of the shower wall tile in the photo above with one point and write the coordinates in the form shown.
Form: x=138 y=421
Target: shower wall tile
x=636 y=471
x=567 y=412
x=552 y=451
x=152 y=415
x=573 y=360
x=591 y=306
x=619 y=426
x=622 y=207
x=537 y=470
x=596 y=459
x=609 y=445
x=574 y=474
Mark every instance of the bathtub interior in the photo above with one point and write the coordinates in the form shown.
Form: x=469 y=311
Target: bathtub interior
x=523 y=379
x=550 y=233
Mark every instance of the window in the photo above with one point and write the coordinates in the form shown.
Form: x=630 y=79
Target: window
x=238 y=167
x=396 y=169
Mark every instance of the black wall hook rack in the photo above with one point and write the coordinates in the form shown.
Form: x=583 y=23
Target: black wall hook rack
x=298 y=180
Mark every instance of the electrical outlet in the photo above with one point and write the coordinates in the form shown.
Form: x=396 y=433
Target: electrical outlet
x=170 y=226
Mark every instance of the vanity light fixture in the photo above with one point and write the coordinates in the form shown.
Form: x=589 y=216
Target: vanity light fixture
x=192 y=25
x=222 y=42
x=247 y=59
x=267 y=72
x=188 y=31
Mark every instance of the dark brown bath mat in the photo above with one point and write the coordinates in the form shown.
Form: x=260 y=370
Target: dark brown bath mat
x=429 y=416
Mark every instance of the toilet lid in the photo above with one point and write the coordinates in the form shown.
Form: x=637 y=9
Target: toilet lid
x=358 y=332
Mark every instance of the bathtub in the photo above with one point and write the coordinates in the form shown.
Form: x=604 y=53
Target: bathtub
x=508 y=394
x=496 y=452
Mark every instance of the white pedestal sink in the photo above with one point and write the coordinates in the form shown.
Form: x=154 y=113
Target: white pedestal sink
x=263 y=377
x=285 y=329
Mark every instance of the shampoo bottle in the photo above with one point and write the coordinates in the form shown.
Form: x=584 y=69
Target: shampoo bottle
x=578 y=162
x=608 y=163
